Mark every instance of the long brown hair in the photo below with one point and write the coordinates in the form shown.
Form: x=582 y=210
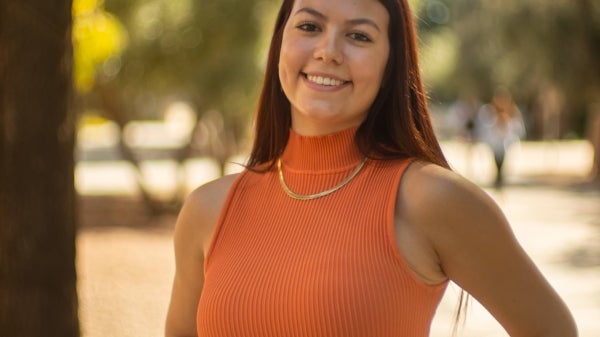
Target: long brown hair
x=398 y=124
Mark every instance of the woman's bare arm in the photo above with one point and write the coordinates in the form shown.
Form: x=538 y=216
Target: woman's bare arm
x=193 y=231
x=477 y=249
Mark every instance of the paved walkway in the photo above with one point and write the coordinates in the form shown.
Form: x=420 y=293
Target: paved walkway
x=125 y=273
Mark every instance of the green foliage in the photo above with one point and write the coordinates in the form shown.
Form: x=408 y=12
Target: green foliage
x=522 y=44
x=202 y=50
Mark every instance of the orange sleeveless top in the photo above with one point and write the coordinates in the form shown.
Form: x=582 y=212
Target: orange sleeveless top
x=281 y=267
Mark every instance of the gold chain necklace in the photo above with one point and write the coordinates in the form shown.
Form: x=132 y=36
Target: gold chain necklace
x=297 y=196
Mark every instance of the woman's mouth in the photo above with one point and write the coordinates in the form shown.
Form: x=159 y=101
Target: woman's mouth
x=324 y=80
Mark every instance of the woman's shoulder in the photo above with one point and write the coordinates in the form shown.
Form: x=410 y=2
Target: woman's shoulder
x=456 y=216
x=211 y=192
x=434 y=184
x=432 y=202
x=437 y=197
x=202 y=207
x=207 y=199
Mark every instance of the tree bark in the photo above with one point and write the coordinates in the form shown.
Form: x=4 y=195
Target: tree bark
x=38 y=295
x=593 y=125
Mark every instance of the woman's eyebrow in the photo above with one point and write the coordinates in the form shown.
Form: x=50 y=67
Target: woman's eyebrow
x=364 y=21
x=357 y=21
x=311 y=11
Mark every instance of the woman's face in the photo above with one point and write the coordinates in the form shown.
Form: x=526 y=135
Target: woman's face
x=333 y=58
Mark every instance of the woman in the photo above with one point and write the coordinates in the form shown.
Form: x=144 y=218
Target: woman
x=347 y=221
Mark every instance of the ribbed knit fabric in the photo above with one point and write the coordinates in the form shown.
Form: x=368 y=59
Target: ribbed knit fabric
x=326 y=267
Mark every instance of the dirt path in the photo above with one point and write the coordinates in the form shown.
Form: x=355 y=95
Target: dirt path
x=124 y=281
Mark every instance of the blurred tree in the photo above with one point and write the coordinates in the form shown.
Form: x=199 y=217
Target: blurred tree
x=526 y=45
x=204 y=53
x=99 y=40
x=545 y=52
x=38 y=294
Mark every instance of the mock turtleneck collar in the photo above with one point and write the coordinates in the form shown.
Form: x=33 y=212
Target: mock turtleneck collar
x=331 y=152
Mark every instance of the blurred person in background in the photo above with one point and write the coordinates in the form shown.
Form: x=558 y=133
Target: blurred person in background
x=463 y=115
x=462 y=118
x=347 y=220
x=500 y=125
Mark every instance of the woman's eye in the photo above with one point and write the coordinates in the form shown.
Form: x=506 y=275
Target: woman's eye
x=308 y=27
x=359 y=37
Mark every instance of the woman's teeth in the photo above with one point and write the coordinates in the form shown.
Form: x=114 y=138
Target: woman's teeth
x=324 y=80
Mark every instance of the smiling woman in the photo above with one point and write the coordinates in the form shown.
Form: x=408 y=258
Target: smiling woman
x=347 y=220
x=334 y=63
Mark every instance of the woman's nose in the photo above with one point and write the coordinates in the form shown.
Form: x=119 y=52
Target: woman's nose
x=329 y=48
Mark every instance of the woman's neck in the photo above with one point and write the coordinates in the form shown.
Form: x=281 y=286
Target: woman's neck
x=333 y=151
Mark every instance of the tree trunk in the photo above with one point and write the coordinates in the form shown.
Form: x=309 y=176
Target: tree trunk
x=38 y=294
x=593 y=125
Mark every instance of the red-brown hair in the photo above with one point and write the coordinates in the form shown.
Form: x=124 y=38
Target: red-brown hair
x=398 y=123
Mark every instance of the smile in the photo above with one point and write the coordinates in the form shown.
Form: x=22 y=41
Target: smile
x=326 y=81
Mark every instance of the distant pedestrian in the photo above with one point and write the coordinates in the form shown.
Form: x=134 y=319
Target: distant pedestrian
x=463 y=114
x=500 y=124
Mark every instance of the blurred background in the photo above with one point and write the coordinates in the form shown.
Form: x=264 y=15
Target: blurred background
x=164 y=86
x=165 y=95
